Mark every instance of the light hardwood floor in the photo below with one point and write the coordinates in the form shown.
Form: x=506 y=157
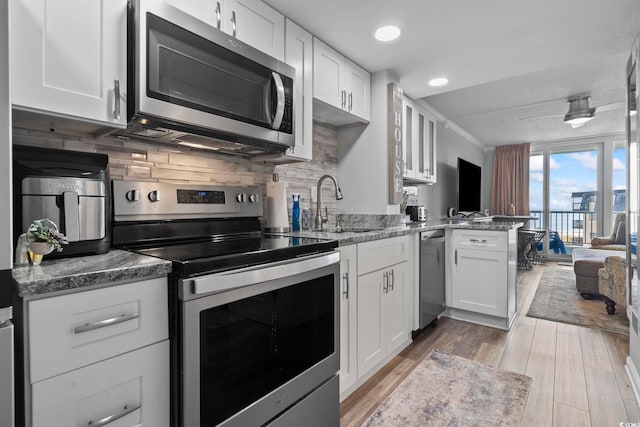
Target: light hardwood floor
x=578 y=373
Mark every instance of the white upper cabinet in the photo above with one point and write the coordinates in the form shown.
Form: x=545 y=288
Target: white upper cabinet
x=251 y=21
x=299 y=54
x=419 y=150
x=340 y=86
x=69 y=58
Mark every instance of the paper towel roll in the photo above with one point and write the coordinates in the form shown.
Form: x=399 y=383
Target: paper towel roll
x=277 y=218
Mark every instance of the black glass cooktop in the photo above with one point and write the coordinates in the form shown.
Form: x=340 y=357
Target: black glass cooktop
x=193 y=258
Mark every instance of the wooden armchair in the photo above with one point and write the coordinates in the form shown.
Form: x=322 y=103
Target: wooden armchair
x=612 y=282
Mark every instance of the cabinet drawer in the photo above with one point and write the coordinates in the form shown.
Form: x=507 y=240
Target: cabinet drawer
x=133 y=387
x=382 y=253
x=74 y=330
x=479 y=239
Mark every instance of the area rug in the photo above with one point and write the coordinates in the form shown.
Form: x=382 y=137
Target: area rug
x=447 y=390
x=557 y=299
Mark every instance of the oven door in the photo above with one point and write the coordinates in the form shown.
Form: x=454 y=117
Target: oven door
x=257 y=340
x=190 y=73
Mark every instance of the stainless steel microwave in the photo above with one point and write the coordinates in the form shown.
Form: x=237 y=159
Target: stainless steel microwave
x=192 y=84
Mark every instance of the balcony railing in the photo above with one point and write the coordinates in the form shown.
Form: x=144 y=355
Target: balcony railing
x=575 y=228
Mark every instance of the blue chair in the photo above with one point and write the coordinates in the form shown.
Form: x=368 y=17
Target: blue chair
x=555 y=243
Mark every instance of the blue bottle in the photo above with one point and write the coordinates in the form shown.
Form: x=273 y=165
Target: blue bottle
x=295 y=221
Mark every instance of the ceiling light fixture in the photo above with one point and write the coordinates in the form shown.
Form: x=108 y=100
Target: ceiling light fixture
x=438 y=81
x=387 y=34
x=579 y=111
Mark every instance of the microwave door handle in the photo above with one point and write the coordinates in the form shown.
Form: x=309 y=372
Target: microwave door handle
x=279 y=113
x=71 y=216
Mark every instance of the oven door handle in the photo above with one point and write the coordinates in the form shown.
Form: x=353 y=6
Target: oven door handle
x=227 y=280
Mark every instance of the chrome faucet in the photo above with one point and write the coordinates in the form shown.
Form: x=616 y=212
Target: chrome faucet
x=319 y=219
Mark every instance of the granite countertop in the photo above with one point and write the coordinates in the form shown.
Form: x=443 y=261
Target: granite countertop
x=72 y=273
x=345 y=238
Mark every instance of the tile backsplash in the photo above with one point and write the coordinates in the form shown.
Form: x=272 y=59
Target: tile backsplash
x=144 y=161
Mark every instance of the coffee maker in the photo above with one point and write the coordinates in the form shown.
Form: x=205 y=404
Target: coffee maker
x=71 y=189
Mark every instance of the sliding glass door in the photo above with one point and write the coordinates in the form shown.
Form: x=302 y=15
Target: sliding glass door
x=575 y=191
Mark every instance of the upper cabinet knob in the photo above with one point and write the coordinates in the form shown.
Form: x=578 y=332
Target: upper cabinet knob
x=154 y=196
x=132 y=195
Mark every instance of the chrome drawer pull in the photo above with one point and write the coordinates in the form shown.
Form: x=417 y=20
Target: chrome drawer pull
x=478 y=240
x=107 y=322
x=111 y=418
x=345 y=276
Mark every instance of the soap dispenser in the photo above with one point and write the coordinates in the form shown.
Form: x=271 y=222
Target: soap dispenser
x=295 y=213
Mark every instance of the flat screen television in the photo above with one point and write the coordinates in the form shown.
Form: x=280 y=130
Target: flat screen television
x=469 y=182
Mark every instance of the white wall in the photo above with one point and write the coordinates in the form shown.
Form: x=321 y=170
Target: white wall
x=438 y=197
x=363 y=156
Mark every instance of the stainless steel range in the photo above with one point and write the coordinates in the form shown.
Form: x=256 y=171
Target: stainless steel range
x=254 y=317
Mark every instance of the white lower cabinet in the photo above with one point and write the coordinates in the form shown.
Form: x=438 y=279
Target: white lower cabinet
x=375 y=307
x=98 y=357
x=127 y=390
x=481 y=285
x=348 y=311
x=382 y=318
x=480 y=281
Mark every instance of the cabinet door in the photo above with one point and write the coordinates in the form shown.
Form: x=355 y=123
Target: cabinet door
x=420 y=141
x=371 y=341
x=480 y=281
x=256 y=24
x=348 y=299
x=69 y=58
x=205 y=10
x=394 y=314
x=408 y=115
x=430 y=150
x=134 y=386
x=358 y=83
x=299 y=54
x=329 y=84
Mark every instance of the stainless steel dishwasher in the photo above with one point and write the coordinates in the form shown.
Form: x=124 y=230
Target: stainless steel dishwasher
x=432 y=258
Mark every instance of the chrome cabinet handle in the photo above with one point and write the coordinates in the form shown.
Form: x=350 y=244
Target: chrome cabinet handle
x=104 y=323
x=385 y=282
x=218 y=15
x=344 y=98
x=393 y=279
x=279 y=113
x=350 y=101
x=478 y=240
x=111 y=418
x=233 y=22
x=345 y=277
x=456 y=257
x=116 y=101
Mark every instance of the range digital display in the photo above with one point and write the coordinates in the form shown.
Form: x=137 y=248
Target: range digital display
x=201 y=197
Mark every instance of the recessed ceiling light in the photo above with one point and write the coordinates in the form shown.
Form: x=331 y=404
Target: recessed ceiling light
x=387 y=34
x=438 y=81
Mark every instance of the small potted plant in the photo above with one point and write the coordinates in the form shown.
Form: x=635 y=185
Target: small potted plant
x=43 y=237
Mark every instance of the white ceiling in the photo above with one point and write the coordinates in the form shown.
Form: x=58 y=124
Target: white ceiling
x=505 y=60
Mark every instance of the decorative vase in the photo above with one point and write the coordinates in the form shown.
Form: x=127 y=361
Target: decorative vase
x=38 y=249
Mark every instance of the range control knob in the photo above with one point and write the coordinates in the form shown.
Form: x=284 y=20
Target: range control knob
x=132 y=195
x=241 y=197
x=253 y=198
x=154 y=195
